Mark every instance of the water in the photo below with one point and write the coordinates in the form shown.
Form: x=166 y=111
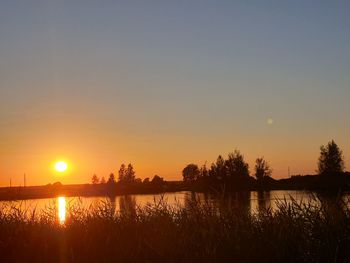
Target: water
x=253 y=201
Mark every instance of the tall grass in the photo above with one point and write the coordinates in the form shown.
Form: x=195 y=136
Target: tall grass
x=199 y=232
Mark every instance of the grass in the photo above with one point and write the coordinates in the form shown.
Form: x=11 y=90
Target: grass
x=199 y=232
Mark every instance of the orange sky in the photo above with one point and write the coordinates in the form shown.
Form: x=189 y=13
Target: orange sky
x=100 y=149
x=166 y=84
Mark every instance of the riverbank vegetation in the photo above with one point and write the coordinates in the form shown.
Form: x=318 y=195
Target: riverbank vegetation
x=198 y=232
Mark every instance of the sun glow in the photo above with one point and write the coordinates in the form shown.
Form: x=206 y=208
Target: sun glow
x=61 y=167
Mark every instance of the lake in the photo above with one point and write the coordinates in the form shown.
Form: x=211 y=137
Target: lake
x=253 y=201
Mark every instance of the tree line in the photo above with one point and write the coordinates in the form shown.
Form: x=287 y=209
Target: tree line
x=126 y=175
x=235 y=170
x=231 y=171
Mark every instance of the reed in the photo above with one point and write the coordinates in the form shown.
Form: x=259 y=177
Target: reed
x=199 y=232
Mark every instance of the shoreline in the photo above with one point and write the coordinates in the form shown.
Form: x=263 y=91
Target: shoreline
x=300 y=183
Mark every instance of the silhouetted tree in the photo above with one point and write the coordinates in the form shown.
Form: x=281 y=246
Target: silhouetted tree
x=121 y=173
x=130 y=174
x=236 y=167
x=103 y=180
x=262 y=169
x=94 y=179
x=190 y=173
x=111 y=179
x=138 y=180
x=146 y=180
x=157 y=180
x=218 y=169
x=203 y=171
x=234 y=171
x=331 y=159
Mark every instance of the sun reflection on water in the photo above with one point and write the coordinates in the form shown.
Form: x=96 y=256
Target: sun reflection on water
x=61 y=209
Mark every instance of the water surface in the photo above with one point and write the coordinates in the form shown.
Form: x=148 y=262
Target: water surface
x=253 y=201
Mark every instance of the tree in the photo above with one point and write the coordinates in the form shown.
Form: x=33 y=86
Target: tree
x=190 y=173
x=236 y=167
x=111 y=179
x=94 y=179
x=157 y=180
x=218 y=169
x=331 y=159
x=203 y=171
x=130 y=174
x=138 y=180
x=262 y=169
x=103 y=180
x=146 y=180
x=121 y=173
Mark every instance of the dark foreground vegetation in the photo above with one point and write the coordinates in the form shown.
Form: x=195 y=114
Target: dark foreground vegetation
x=199 y=232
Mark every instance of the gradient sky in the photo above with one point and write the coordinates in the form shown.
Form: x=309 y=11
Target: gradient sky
x=165 y=83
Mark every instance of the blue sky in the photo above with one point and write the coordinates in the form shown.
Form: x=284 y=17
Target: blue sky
x=165 y=83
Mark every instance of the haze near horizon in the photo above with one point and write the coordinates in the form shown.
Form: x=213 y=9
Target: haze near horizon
x=163 y=84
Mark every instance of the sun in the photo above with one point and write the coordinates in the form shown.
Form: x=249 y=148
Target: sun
x=61 y=166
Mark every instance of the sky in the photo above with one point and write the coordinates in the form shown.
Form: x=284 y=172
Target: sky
x=161 y=84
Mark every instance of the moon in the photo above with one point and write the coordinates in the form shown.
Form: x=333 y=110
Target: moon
x=61 y=166
x=269 y=121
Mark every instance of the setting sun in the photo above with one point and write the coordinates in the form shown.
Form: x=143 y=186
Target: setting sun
x=61 y=166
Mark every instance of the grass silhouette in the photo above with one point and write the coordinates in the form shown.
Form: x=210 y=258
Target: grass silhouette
x=199 y=232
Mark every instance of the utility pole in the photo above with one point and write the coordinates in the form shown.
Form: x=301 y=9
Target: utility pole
x=288 y=172
x=10 y=182
x=24 y=180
